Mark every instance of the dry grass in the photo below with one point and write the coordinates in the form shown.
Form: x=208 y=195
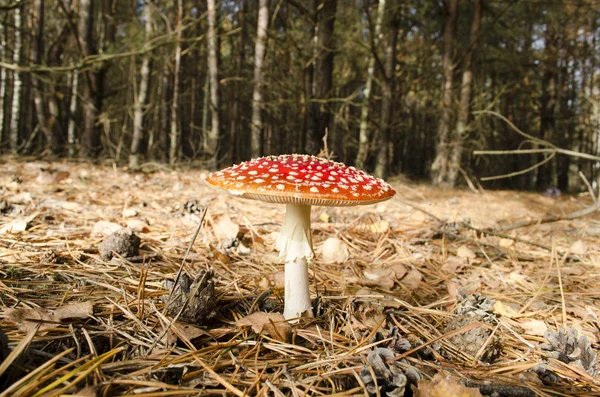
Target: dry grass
x=122 y=348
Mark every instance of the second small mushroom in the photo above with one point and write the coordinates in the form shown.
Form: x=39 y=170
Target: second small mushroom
x=299 y=181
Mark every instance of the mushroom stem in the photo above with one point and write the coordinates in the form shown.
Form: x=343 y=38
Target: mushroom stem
x=295 y=249
x=297 y=294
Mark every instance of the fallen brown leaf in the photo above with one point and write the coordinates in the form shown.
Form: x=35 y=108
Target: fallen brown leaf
x=443 y=386
x=272 y=324
x=27 y=319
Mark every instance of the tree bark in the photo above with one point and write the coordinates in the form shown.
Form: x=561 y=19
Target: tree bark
x=214 y=137
x=15 y=120
x=175 y=135
x=37 y=49
x=363 y=135
x=3 y=77
x=439 y=168
x=235 y=123
x=381 y=167
x=140 y=101
x=320 y=117
x=465 y=98
x=90 y=139
x=71 y=133
x=257 y=95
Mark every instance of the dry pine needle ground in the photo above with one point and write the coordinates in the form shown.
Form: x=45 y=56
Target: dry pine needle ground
x=428 y=294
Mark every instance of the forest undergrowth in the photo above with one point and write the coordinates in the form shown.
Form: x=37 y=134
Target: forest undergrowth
x=433 y=293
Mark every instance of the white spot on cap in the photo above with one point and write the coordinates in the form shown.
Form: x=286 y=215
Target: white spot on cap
x=253 y=172
x=280 y=186
x=314 y=189
x=258 y=180
x=290 y=177
x=335 y=190
x=241 y=177
x=315 y=178
x=273 y=169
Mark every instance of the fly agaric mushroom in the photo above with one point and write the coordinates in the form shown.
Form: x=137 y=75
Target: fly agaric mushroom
x=299 y=181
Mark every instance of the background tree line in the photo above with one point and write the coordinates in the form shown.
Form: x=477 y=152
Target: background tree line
x=395 y=84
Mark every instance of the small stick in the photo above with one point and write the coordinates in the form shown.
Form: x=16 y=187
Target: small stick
x=204 y=211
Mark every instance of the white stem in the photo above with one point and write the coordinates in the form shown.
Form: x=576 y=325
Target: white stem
x=297 y=295
x=295 y=249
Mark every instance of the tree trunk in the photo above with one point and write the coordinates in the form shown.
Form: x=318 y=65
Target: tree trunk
x=214 y=137
x=15 y=120
x=320 y=117
x=3 y=77
x=235 y=123
x=465 y=98
x=257 y=96
x=140 y=101
x=548 y=103
x=363 y=135
x=175 y=136
x=90 y=140
x=439 y=168
x=381 y=167
x=37 y=49
x=71 y=133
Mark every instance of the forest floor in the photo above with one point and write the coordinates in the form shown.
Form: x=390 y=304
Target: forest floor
x=435 y=291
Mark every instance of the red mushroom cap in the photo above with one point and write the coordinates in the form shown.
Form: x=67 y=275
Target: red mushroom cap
x=301 y=179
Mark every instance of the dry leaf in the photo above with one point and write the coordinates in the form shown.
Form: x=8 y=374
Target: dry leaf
x=18 y=225
x=334 y=250
x=380 y=227
x=412 y=280
x=272 y=324
x=378 y=278
x=418 y=217
x=187 y=331
x=27 y=319
x=219 y=255
x=324 y=217
x=506 y=242
x=465 y=252
x=225 y=228
x=105 y=228
x=578 y=248
x=50 y=176
x=533 y=327
x=443 y=386
x=505 y=310
x=373 y=227
x=368 y=318
x=138 y=225
x=129 y=212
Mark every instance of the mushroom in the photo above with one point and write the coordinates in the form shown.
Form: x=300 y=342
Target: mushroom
x=299 y=181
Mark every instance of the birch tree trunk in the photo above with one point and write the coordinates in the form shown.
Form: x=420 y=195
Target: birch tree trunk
x=37 y=49
x=235 y=122
x=71 y=133
x=3 y=77
x=389 y=67
x=175 y=135
x=140 y=101
x=214 y=137
x=257 y=95
x=439 y=168
x=363 y=136
x=465 y=98
x=15 y=121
